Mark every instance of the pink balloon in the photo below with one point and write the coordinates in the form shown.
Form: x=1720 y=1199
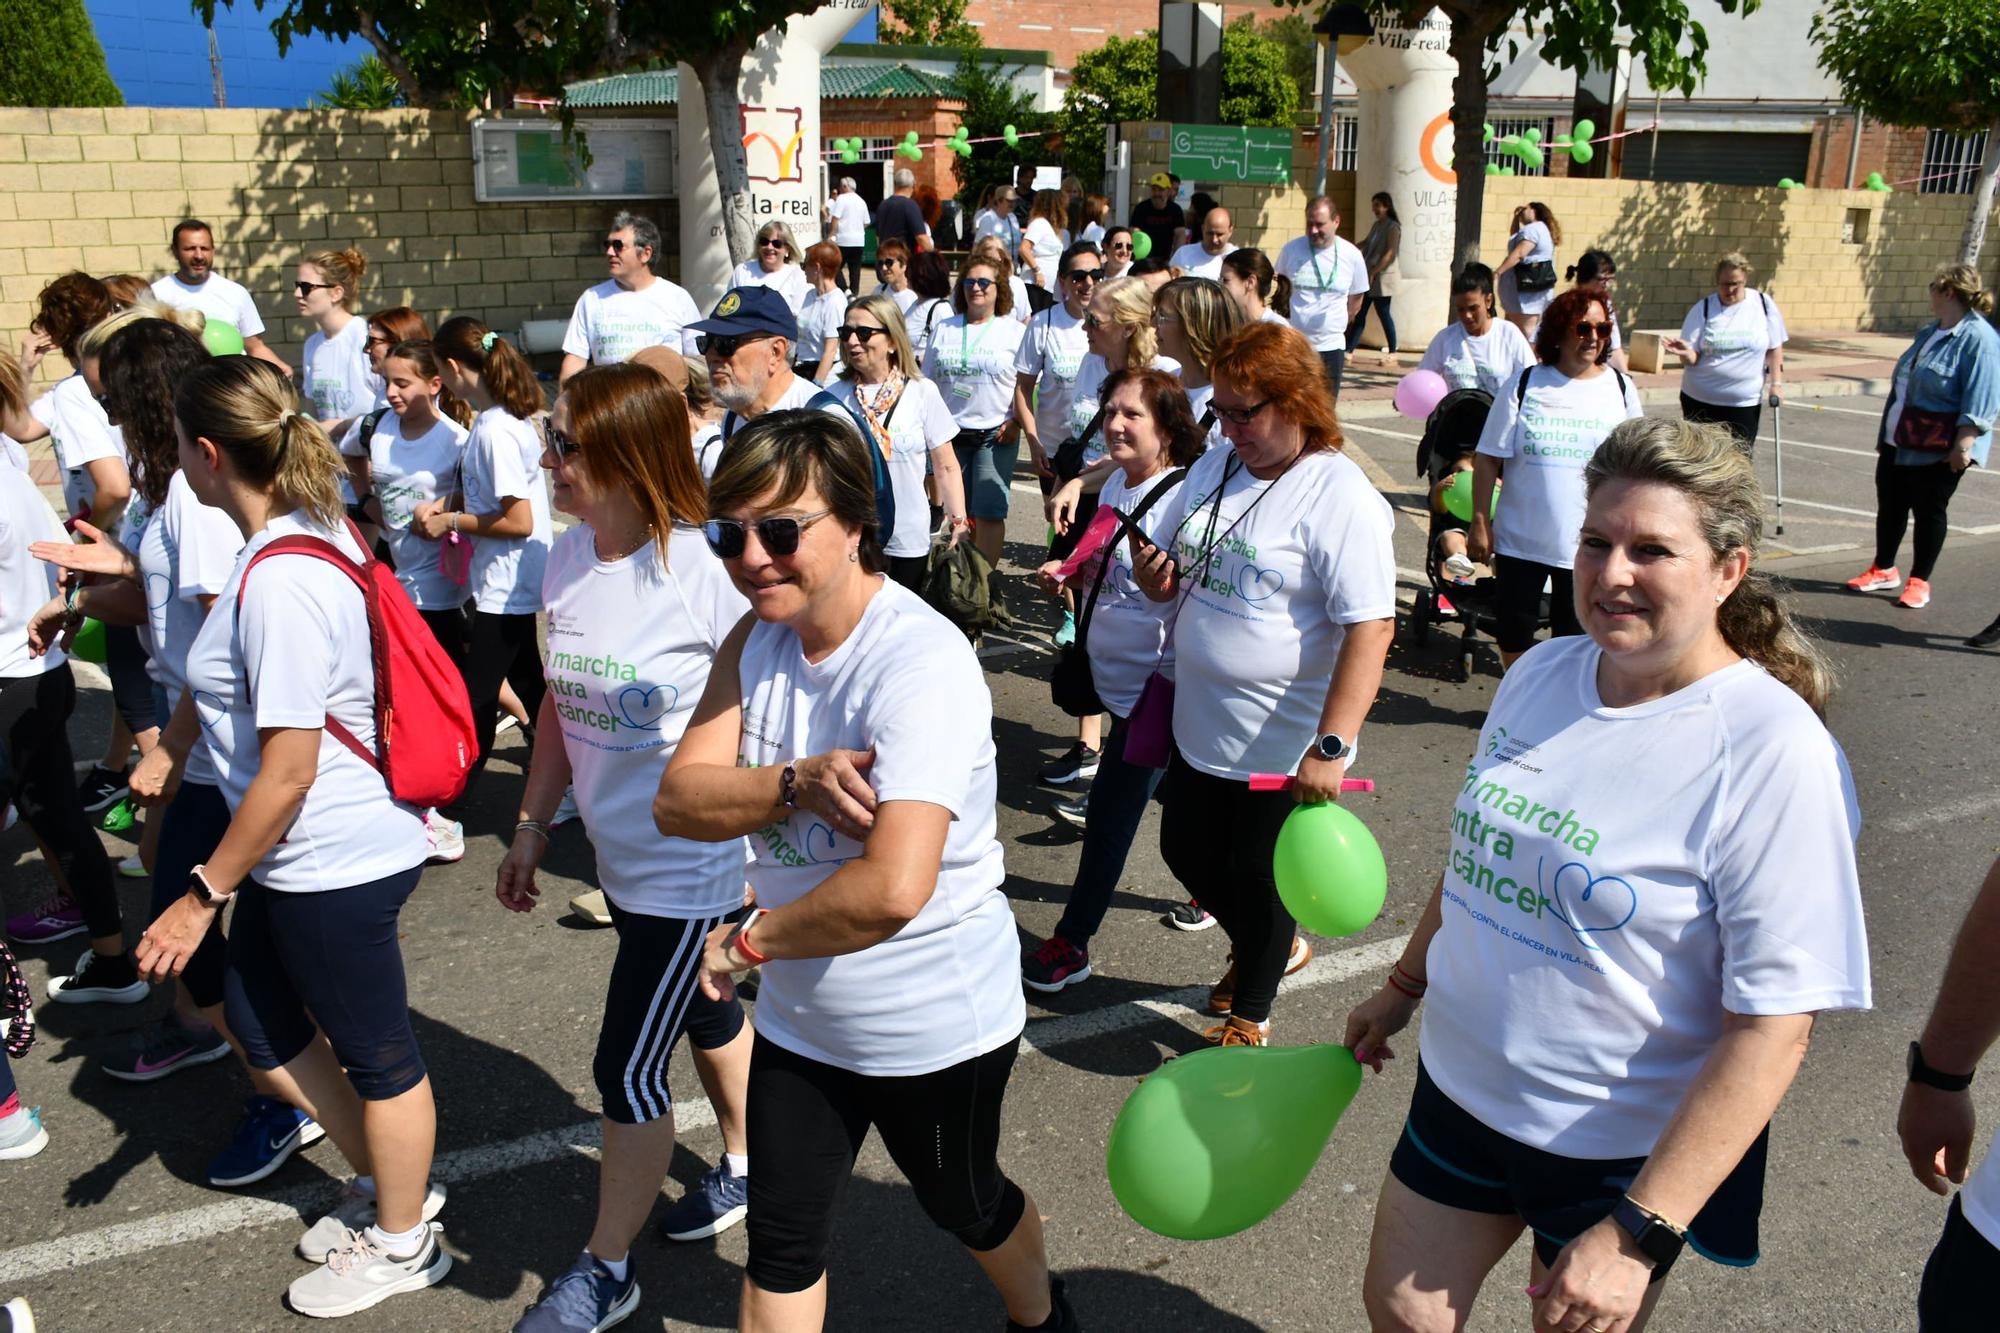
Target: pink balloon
x=1419 y=392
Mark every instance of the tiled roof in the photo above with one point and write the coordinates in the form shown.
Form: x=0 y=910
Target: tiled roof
x=661 y=87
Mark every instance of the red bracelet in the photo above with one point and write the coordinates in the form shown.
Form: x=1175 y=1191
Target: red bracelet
x=741 y=940
x=1411 y=977
x=1413 y=994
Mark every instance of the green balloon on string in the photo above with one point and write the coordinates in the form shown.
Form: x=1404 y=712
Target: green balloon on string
x=222 y=338
x=1142 y=245
x=1328 y=866
x=1217 y=1141
x=1011 y=135
x=88 y=645
x=1582 y=130
x=1581 y=151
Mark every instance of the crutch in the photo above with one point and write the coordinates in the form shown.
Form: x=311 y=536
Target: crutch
x=1778 y=446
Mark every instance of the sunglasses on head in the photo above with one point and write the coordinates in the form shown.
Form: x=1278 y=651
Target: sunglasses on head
x=304 y=288
x=862 y=331
x=975 y=284
x=726 y=345
x=564 y=445
x=1240 y=416
x=1586 y=329
x=779 y=536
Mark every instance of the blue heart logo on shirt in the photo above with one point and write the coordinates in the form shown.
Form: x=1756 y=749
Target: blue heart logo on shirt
x=1588 y=903
x=643 y=707
x=159 y=591
x=817 y=832
x=1254 y=584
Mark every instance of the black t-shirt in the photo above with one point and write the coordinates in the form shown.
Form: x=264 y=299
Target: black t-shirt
x=1159 y=224
x=898 y=218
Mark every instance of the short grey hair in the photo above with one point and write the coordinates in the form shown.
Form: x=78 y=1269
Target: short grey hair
x=905 y=179
x=847 y=183
x=645 y=232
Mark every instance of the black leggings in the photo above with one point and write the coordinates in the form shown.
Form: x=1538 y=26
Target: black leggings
x=1922 y=492
x=1517 y=602
x=448 y=627
x=1741 y=421
x=807 y=1120
x=909 y=570
x=1218 y=837
x=34 y=717
x=131 y=687
x=501 y=647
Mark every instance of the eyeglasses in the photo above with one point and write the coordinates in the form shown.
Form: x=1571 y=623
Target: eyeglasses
x=1238 y=416
x=975 y=284
x=1094 y=321
x=861 y=331
x=1585 y=330
x=565 y=446
x=780 y=536
x=1161 y=317
x=378 y=340
x=304 y=288
x=770 y=243
x=1085 y=275
x=726 y=345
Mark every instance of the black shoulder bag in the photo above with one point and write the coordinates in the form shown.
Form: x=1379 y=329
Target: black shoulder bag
x=1070 y=683
x=1068 y=457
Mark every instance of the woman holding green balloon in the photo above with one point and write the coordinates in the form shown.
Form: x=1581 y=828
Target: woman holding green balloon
x=1621 y=990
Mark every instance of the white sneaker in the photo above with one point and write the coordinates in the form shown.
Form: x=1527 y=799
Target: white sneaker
x=354 y=1211
x=1458 y=566
x=133 y=868
x=506 y=723
x=591 y=907
x=566 y=811
x=447 y=838
x=359 y=1273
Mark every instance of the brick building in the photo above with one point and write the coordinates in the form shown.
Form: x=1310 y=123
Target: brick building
x=1066 y=30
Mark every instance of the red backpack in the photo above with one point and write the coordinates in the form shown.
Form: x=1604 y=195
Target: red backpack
x=425 y=744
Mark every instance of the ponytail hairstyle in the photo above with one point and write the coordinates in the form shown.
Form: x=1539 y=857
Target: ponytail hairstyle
x=1592 y=265
x=1475 y=277
x=248 y=409
x=344 y=267
x=1253 y=266
x=424 y=357
x=504 y=371
x=139 y=364
x=1704 y=464
x=632 y=433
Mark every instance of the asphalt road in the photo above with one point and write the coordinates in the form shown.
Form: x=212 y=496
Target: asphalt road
x=112 y=1229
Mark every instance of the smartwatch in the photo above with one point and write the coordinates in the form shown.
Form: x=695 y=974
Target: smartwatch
x=1932 y=1078
x=203 y=891
x=1331 y=748
x=1658 y=1239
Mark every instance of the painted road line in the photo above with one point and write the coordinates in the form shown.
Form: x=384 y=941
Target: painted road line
x=1949 y=812
x=204 y=1224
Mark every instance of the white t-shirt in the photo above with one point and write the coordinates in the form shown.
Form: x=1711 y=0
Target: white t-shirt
x=1536 y=234
x=1128 y=630
x=630 y=647
x=338 y=381
x=1594 y=937
x=611 y=322
x=186 y=552
x=818 y=319
x=788 y=282
x=503 y=462
x=1493 y=361
x=1194 y=261
x=904 y=299
x=923 y=319
x=919 y=423
x=1257 y=638
x=1199 y=397
x=1093 y=232
x=947 y=986
x=217 y=298
x=850 y=219
x=301 y=644
x=1322 y=280
x=1086 y=394
x=26 y=584
x=82 y=435
x=1547 y=441
x=405 y=474
x=1053 y=352
x=708 y=441
x=973 y=366
x=1003 y=225
x=1731 y=341
x=1980 y=1199
x=1047 y=245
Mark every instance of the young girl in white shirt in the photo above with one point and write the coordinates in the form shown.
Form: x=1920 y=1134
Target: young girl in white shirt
x=338 y=380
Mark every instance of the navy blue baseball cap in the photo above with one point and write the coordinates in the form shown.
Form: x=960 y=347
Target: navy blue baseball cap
x=750 y=312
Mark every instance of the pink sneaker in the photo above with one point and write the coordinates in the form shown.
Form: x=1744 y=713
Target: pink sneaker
x=1876 y=579
x=1916 y=594
x=56 y=919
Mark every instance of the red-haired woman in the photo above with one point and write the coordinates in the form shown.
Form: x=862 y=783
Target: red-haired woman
x=1281 y=556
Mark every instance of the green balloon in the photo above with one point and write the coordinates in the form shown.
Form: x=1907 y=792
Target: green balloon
x=1142 y=245
x=1582 y=130
x=1329 y=868
x=1493 y=169
x=1217 y=1141
x=1787 y=183
x=1011 y=135
x=221 y=338
x=88 y=646
x=1531 y=154
x=1580 y=151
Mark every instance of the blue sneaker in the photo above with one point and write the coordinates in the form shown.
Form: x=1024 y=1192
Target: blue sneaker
x=265 y=1138
x=586 y=1299
x=717 y=1202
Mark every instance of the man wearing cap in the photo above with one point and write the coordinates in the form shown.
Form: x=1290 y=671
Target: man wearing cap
x=631 y=309
x=847 y=217
x=1329 y=277
x=746 y=344
x=1203 y=258
x=1159 y=216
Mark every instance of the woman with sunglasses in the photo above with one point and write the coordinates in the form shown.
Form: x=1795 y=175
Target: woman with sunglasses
x=1117 y=252
x=908 y=421
x=1052 y=353
x=1279 y=550
x=777 y=265
x=340 y=380
x=971 y=359
x=892 y=266
x=1024 y=307
x=637 y=608
x=1544 y=427
x=891 y=996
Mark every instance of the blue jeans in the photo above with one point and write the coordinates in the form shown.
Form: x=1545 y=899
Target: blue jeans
x=1381 y=304
x=1118 y=796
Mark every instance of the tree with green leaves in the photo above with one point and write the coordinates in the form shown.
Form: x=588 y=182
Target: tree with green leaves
x=1117 y=81
x=927 y=23
x=366 y=85
x=1926 y=64
x=1257 y=83
x=52 y=56
x=992 y=103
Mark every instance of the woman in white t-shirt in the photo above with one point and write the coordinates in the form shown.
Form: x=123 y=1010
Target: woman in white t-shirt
x=505 y=512
x=1621 y=986
x=1152 y=439
x=971 y=360
x=637 y=608
x=776 y=265
x=1117 y=252
x=339 y=380
x=318 y=856
x=97 y=481
x=1543 y=428
x=930 y=303
x=1261 y=292
x=1477 y=350
x=818 y=349
x=890 y=994
x=1004 y=260
x=1279 y=550
x=1044 y=239
x=1535 y=234
x=1051 y=355
x=1731 y=343
x=908 y=421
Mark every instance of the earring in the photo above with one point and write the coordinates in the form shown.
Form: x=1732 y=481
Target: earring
x=852 y=556
x=1721 y=597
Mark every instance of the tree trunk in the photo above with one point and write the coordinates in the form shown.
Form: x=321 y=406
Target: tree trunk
x=1974 y=239
x=414 y=92
x=1468 y=132
x=719 y=73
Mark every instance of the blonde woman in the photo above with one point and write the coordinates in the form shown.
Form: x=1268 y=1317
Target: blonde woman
x=340 y=384
x=1193 y=316
x=778 y=264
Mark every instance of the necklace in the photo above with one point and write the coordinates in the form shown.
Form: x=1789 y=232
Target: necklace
x=597 y=546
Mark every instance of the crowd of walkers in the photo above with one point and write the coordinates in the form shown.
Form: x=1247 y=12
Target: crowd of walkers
x=711 y=666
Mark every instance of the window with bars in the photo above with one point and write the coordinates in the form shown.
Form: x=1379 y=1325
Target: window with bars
x=1951 y=162
x=872 y=150
x=1504 y=126
x=1346 y=143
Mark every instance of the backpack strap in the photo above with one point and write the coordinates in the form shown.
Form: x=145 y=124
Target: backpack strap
x=1127 y=524
x=885 y=494
x=1521 y=389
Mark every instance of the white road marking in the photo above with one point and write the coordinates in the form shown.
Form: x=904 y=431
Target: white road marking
x=210 y=1221
x=1807 y=405
x=1949 y=812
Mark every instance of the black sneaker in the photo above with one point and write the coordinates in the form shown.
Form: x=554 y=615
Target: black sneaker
x=98 y=978
x=1189 y=915
x=1062 y=1319
x=101 y=789
x=1077 y=763
x=1986 y=638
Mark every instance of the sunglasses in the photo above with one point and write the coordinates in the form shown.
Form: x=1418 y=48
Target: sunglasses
x=862 y=331
x=770 y=243
x=975 y=284
x=304 y=288
x=780 y=536
x=888 y=263
x=1085 y=275
x=616 y=245
x=1586 y=330
x=564 y=446
x=1092 y=321
x=377 y=340
x=1240 y=416
x=726 y=345
x=1121 y=247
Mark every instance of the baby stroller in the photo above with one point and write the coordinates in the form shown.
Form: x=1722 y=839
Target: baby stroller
x=1450 y=433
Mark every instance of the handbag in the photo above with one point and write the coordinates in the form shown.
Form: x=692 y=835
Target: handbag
x=1926 y=431
x=1535 y=275
x=1071 y=685
x=1068 y=459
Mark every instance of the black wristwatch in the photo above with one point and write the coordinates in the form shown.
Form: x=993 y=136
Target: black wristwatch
x=1931 y=1078
x=1657 y=1238
x=1331 y=748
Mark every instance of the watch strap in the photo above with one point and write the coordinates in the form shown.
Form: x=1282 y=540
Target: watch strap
x=1657 y=1238
x=1921 y=1072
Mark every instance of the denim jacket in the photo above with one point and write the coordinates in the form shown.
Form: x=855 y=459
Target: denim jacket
x=1961 y=374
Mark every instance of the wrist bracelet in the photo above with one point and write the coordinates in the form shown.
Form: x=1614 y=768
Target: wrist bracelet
x=1411 y=977
x=1413 y=994
x=788 y=786
x=533 y=826
x=740 y=941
